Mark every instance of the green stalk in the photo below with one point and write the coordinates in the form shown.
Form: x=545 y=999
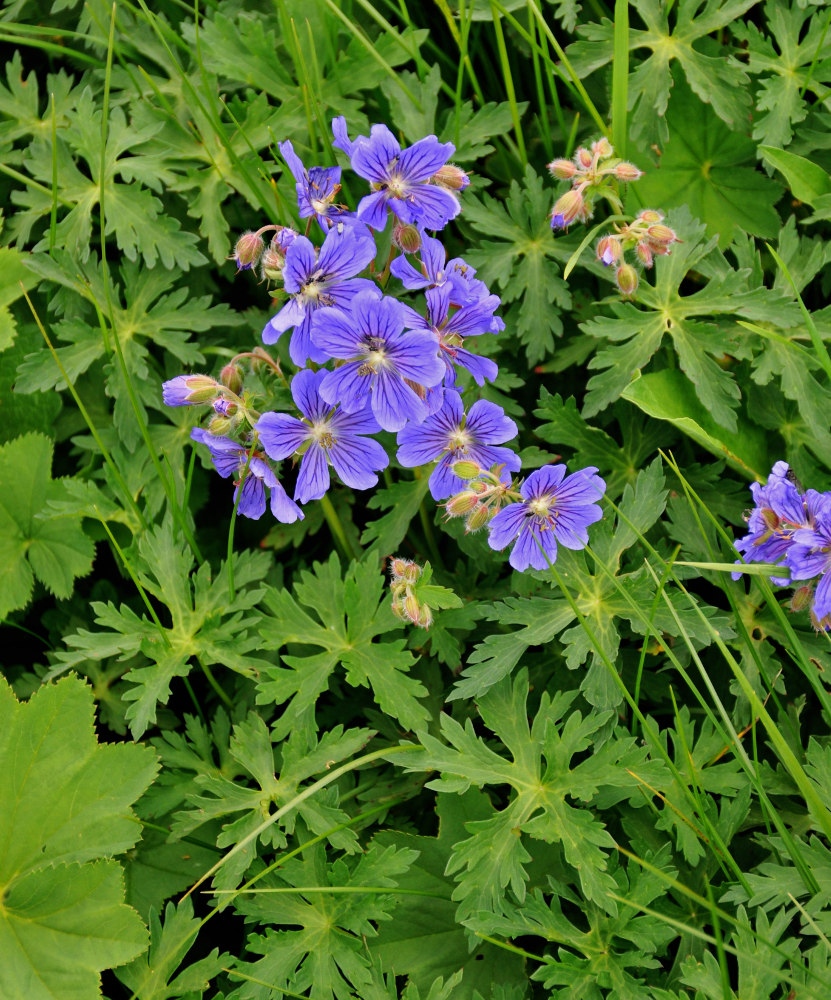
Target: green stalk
x=347 y=550
x=819 y=344
x=620 y=77
x=507 y=76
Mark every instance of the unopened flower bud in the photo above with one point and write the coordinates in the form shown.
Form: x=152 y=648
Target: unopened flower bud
x=225 y=407
x=425 y=619
x=802 y=597
x=644 y=254
x=626 y=278
x=583 y=158
x=563 y=170
x=566 y=209
x=603 y=148
x=477 y=518
x=411 y=608
x=398 y=610
x=248 y=250
x=609 y=250
x=406 y=237
x=398 y=566
x=466 y=469
x=451 y=177
x=661 y=234
x=650 y=215
x=231 y=377
x=461 y=504
x=220 y=425
x=628 y=172
x=185 y=390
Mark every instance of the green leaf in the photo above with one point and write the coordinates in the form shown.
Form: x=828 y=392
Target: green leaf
x=711 y=169
x=55 y=550
x=433 y=595
x=21 y=414
x=807 y=180
x=519 y=261
x=14 y=278
x=402 y=499
x=152 y=976
x=63 y=917
x=344 y=619
x=667 y=395
x=425 y=939
x=717 y=80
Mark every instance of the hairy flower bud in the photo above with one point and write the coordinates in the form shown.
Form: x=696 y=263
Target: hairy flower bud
x=644 y=254
x=650 y=215
x=461 y=503
x=662 y=235
x=609 y=250
x=406 y=237
x=185 y=390
x=477 y=518
x=466 y=469
x=583 y=158
x=451 y=177
x=626 y=278
x=225 y=407
x=628 y=172
x=248 y=250
x=603 y=148
x=563 y=170
x=411 y=608
x=220 y=425
x=231 y=377
x=802 y=597
x=566 y=209
x=425 y=619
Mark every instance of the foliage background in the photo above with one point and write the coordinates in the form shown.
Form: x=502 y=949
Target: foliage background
x=608 y=782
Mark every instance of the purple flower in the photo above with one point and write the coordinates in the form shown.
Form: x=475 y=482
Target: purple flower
x=555 y=508
x=399 y=177
x=333 y=437
x=383 y=363
x=810 y=554
x=450 y=330
x=454 y=437
x=229 y=459
x=316 y=188
x=315 y=281
x=434 y=272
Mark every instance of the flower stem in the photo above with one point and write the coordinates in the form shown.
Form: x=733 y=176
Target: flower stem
x=347 y=550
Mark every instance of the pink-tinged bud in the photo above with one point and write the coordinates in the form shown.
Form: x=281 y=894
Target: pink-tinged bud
x=566 y=209
x=248 y=250
x=603 y=149
x=477 y=518
x=466 y=469
x=644 y=254
x=802 y=597
x=563 y=170
x=627 y=280
x=461 y=504
x=225 y=407
x=661 y=235
x=583 y=158
x=231 y=377
x=412 y=571
x=650 y=215
x=411 y=608
x=406 y=237
x=451 y=177
x=425 y=619
x=628 y=172
x=398 y=566
x=398 y=611
x=609 y=250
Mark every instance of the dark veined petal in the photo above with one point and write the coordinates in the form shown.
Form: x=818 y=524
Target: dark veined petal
x=433 y=206
x=282 y=507
x=347 y=387
x=313 y=478
x=251 y=497
x=293 y=161
x=356 y=461
x=531 y=548
x=300 y=264
x=394 y=402
x=424 y=158
x=489 y=424
x=305 y=391
x=301 y=346
x=334 y=332
x=373 y=158
x=542 y=481
x=372 y=209
x=281 y=434
x=292 y=313
x=344 y=254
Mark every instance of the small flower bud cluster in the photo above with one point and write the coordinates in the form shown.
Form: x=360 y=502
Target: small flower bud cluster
x=482 y=498
x=250 y=250
x=647 y=236
x=591 y=173
x=405 y=602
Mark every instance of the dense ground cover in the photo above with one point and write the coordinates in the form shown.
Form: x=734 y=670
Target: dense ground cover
x=360 y=728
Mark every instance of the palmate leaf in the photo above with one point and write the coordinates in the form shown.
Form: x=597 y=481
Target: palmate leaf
x=787 y=58
x=424 y=939
x=344 y=620
x=715 y=79
x=613 y=950
x=54 y=550
x=634 y=334
x=711 y=169
x=541 y=777
x=63 y=917
x=520 y=261
x=205 y=623
x=320 y=938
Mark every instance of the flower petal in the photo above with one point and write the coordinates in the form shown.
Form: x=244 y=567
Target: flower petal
x=281 y=435
x=313 y=478
x=356 y=459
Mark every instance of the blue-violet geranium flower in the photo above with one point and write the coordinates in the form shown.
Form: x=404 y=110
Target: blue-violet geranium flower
x=554 y=508
x=330 y=436
x=316 y=189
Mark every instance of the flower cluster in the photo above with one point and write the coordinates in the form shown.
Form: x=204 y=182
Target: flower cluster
x=404 y=578
x=370 y=362
x=791 y=527
x=593 y=173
